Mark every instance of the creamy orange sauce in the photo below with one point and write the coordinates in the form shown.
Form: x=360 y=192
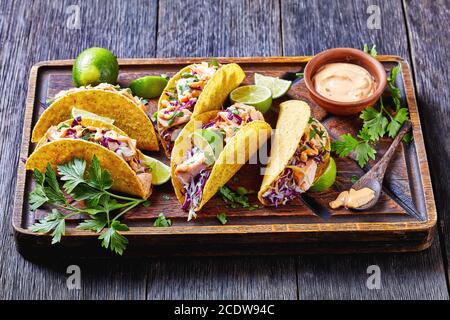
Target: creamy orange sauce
x=353 y=198
x=344 y=82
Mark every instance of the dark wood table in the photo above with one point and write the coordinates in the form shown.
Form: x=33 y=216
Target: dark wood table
x=31 y=31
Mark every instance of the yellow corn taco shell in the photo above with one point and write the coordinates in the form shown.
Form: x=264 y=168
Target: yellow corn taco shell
x=227 y=78
x=62 y=151
x=292 y=122
x=114 y=104
x=239 y=149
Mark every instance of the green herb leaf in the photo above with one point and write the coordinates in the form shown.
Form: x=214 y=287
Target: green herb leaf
x=99 y=178
x=113 y=240
x=37 y=197
x=174 y=116
x=375 y=122
x=222 y=217
x=162 y=221
x=96 y=223
x=147 y=203
x=155 y=116
x=345 y=145
x=234 y=200
x=396 y=95
x=354 y=179
x=52 y=190
x=397 y=122
x=72 y=173
x=363 y=152
x=242 y=191
x=54 y=221
x=59 y=231
x=408 y=137
x=214 y=62
x=373 y=51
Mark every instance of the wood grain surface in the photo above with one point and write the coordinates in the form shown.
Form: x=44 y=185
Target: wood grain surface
x=30 y=32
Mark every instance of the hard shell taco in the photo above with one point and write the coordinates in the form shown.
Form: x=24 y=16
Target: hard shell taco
x=211 y=148
x=195 y=89
x=84 y=138
x=299 y=155
x=106 y=100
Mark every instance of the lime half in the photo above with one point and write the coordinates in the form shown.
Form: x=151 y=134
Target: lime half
x=94 y=66
x=89 y=115
x=327 y=178
x=160 y=171
x=148 y=87
x=258 y=96
x=278 y=86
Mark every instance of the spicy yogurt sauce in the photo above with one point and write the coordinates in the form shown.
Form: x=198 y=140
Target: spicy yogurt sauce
x=344 y=82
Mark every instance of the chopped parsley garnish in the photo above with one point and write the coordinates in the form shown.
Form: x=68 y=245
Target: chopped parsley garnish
x=162 y=221
x=174 y=116
x=236 y=200
x=222 y=217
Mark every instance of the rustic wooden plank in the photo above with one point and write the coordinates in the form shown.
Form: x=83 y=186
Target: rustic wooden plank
x=220 y=28
x=30 y=34
x=309 y=27
x=412 y=276
x=223 y=278
x=430 y=58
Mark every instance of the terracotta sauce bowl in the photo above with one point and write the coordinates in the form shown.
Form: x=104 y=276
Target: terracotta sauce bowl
x=348 y=55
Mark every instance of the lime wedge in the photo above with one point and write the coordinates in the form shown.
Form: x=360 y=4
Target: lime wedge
x=278 y=86
x=148 y=87
x=86 y=114
x=160 y=171
x=258 y=96
x=327 y=178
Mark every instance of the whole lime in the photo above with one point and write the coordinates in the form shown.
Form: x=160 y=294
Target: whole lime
x=94 y=66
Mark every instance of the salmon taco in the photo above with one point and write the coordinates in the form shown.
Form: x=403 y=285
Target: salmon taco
x=210 y=149
x=195 y=89
x=84 y=138
x=299 y=155
x=105 y=100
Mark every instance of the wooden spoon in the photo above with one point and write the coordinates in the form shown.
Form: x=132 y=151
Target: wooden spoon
x=373 y=179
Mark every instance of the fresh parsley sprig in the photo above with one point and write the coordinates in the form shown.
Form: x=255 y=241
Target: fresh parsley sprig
x=91 y=186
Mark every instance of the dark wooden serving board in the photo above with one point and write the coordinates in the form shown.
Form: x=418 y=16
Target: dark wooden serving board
x=403 y=220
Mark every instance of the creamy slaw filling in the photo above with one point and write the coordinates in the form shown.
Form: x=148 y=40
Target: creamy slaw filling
x=122 y=145
x=194 y=171
x=182 y=98
x=299 y=174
